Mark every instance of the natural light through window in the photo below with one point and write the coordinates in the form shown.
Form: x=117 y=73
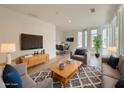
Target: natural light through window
x=85 y=37
x=79 y=39
x=104 y=38
x=93 y=34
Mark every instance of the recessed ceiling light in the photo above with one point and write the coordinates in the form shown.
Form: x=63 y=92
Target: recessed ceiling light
x=69 y=21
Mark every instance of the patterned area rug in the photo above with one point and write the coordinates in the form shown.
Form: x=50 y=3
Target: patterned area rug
x=89 y=77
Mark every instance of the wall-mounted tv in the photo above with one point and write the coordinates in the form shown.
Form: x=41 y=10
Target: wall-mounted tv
x=29 y=41
x=70 y=39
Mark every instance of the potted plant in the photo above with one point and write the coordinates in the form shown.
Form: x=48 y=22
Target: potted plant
x=97 y=44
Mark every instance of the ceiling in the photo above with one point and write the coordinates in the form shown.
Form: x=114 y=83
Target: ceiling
x=69 y=17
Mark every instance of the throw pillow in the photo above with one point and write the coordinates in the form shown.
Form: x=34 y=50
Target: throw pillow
x=113 y=62
x=120 y=83
x=11 y=77
x=80 y=51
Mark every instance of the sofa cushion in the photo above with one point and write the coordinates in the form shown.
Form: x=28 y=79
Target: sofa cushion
x=80 y=51
x=122 y=69
x=78 y=57
x=27 y=82
x=121 y=65
x=21 y=68
x=11 y=77
x=113 y=62
x=120 y=83
x=109 y=82
x=2 y=85
x=109 y=71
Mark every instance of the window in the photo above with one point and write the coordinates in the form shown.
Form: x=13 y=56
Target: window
x=79 y=39
x=116 y=32
x=85 y=38
x=105 y=41
x=117 y=37
x=114 y=35
x=104 y=38
x=93 y=34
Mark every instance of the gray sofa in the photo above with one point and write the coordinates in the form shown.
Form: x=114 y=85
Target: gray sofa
x=110 y=75
x=27 y=80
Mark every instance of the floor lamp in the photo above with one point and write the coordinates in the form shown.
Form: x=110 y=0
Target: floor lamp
x=8 y=48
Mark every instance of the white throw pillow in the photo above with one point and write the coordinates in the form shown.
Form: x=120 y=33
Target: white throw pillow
x=2 y=85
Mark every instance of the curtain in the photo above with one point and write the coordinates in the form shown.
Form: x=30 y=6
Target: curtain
x=121 y=30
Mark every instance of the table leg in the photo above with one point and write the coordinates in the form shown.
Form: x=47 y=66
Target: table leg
x=79 y=70
x=65 y=83
x=52 y=74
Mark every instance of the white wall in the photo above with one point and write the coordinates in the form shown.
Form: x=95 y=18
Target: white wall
x=59 y=37
x=75 y=43
x=12 y=24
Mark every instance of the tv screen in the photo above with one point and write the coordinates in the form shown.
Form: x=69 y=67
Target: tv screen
x=70 y=39
x=29 y=41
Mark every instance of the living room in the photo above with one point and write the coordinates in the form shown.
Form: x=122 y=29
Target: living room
x=31 y=36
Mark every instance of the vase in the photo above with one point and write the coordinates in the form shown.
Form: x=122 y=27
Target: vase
x=61 y=66
x=97 y=55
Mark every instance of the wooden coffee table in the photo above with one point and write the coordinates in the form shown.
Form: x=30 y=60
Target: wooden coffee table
x=66 y=74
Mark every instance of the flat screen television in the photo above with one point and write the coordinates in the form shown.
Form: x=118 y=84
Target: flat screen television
x=29 y=41
x=70 y=39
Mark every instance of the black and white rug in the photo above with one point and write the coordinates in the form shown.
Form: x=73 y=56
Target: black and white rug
x=89 y=77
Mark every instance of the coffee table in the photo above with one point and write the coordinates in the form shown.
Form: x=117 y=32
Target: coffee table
x=66 y=74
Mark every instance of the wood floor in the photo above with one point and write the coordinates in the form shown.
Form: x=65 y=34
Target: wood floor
x=44 y=66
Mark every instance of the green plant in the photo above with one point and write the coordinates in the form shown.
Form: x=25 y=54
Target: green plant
x=97 y=43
